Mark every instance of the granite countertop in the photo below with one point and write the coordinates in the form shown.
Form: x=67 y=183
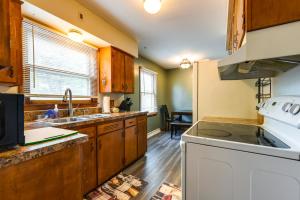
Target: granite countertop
x=70 y=125
x=24 y=153
x=231 y=120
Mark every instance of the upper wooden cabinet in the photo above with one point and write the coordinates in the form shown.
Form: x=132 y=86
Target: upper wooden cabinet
x=249 y=15
x=267 y=13
x=10 y=42
x=116 y=71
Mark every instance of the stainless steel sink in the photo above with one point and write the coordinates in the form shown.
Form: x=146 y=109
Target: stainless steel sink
x=66 y=120
x=95 y=116
x=76 y=119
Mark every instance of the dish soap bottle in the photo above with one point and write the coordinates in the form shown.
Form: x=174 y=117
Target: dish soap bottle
x=55 y=111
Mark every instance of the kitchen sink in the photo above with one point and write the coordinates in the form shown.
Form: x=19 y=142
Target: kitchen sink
x=76 y=119
x=67 y=120
x=95 y=116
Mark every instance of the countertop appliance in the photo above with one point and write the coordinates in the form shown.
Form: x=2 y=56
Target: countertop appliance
x=11 y=120
x=225 y=161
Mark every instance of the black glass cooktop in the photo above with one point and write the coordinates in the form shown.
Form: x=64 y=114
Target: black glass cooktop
x=236 y=132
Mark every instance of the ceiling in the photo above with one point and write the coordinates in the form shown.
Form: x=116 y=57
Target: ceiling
x=193 y=29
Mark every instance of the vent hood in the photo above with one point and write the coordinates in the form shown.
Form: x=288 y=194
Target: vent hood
x=265 y=53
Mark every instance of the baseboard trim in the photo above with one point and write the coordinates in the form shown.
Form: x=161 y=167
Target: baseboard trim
x=153 y=133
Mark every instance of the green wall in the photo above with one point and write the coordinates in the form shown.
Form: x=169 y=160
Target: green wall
x=174 y=88
x=162 y=97
x=180 y=88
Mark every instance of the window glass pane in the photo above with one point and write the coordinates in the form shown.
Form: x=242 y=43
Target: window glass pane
x=47 y=82
x=51 y=53
x=148 y=91
x=52 y=63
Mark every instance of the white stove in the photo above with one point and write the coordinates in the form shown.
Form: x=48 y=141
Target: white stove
x=222 y=161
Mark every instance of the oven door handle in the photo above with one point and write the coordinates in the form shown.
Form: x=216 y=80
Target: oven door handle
x=2 y=120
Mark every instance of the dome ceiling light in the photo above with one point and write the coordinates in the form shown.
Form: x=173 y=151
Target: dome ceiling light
x=75 y=35
x=185 y=64
x=152 y=6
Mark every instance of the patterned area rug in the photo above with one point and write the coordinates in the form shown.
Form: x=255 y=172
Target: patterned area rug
x=120 y=187
x=167 y=191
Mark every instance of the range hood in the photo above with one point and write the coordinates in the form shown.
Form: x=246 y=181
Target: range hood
x=265 y=53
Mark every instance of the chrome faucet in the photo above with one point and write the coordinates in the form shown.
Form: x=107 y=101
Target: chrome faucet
x=65 y=98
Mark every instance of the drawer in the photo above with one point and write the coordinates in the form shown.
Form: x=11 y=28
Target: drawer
x=109 y=127
x=141 y=118
x=90 y=131
x=130 y=122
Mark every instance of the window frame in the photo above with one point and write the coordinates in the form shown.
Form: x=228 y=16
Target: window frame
x=79 y=101
x=141 y=69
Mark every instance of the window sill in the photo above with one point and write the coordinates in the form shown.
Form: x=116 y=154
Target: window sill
x=151 y=114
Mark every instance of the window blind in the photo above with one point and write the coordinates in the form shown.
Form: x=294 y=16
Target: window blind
x=52 y=63
x=148 y=90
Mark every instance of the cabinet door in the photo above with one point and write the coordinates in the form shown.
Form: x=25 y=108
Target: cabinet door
x=142 y=135
x=4 y=34
x=230 y=25
x=89 y=168
x=4 y=42
x=267 y=13
x=117 y=69
x=129 y=74
x=110 y=155
x=239 y=23
x=10 y=42
x=130 y=145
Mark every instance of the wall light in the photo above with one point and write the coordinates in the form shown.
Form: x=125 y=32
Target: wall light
x=75 y=35
x=185 y=63
x=152 y=6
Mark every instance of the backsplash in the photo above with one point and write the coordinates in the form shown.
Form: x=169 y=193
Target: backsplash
x=287 y=83
x=33 y=115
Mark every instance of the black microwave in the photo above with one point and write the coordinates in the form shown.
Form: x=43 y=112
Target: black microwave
x=11 y=120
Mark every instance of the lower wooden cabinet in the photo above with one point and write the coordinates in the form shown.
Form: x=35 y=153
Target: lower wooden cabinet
x=142 y=135
x=110 y=154
x=89 y=164
x=53 y=176
x=131 y=145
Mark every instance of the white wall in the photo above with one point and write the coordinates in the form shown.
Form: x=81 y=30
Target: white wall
x=216 y=98
x=287 y=83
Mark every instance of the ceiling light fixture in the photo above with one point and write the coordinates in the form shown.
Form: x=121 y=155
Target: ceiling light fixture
x=75 y=35
x=152 y=6
x=185 y=64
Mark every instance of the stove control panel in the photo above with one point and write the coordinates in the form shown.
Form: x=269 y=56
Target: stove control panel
x=284 y=108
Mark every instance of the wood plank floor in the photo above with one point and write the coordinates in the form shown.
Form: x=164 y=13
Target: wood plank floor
x=161 y=164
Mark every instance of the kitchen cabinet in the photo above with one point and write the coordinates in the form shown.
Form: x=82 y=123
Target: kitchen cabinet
x=267 y=13
x=110 y=155
x=89 y=154
x=142 y=135
x=129 y=74
x=10 y=42
x=236 y=24
x=116 y=71
x=250 y=15
x=131 y=141
x=53 y=176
